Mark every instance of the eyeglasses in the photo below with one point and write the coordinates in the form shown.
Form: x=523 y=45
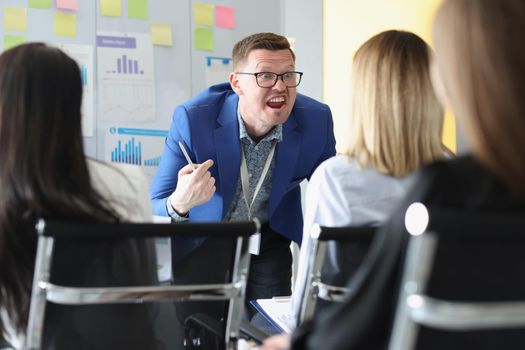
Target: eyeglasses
x=269 y=79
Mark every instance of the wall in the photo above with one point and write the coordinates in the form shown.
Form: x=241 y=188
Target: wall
x=133 y=110
x=303 y=21
x=347 y=24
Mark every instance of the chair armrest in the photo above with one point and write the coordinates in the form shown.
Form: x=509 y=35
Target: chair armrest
x=205 y=322
x=252 y=332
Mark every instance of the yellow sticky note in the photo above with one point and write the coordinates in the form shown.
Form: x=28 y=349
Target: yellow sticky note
x=13 y=40
x=161 y=34
x=203 y=14
x=203 y=39
x=65 y=24
x=111 y=8
x=15 y=18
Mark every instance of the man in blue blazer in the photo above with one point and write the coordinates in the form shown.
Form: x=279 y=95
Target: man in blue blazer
x=252 y=141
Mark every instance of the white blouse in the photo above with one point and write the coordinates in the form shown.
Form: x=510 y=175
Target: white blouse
x=340 y=193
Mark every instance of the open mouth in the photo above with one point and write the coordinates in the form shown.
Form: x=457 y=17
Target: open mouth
x=276 y=102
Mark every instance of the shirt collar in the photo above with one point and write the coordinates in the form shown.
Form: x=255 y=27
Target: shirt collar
x=275 y=134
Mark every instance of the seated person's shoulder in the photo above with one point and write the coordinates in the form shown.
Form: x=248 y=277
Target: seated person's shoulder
x=117 y=170
x=456 y=172
x=462 y=183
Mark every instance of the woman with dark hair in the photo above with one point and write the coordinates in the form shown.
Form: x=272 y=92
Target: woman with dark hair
x=44 y=174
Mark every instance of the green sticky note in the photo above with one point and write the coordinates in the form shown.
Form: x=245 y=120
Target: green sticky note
x=161 y=34
x=203 y=39
x=13 y=40
x=65 y=24
x=203 y=14
x=15 y=18
x=111 y=8
x=138 y=9
x=40 y=4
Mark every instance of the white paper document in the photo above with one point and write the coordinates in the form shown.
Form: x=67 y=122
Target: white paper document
x=134 y=146
x=126 y=77
x=278 y=310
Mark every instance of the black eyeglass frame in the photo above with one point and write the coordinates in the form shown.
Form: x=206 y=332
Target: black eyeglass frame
x=256 y=75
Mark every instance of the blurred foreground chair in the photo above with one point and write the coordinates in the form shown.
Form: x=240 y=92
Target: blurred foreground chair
x=350 y=243
x=463 y=284
x=233 y=291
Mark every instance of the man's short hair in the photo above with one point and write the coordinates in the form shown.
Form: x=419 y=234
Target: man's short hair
x=264 y=41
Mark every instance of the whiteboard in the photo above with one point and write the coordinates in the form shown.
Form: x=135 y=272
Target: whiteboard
x=178 y=71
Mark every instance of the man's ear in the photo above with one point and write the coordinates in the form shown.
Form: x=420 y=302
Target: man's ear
x=234 y=83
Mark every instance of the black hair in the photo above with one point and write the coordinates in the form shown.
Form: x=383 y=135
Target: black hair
x=43 y=169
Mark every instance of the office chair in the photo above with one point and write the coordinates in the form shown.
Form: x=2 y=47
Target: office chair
x=463 y=284
x=351 y=244
x=233 y=291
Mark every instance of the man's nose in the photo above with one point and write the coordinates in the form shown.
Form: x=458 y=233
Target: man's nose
x=280 y=84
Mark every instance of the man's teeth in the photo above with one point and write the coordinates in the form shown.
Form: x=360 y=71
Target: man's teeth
x=277 y=99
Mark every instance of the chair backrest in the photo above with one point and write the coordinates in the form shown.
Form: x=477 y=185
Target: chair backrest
x=463 y=284
x=51 y=233
x=348 y=240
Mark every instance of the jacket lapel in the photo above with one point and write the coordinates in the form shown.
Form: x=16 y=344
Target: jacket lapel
x=287 y=153
x=227 y=145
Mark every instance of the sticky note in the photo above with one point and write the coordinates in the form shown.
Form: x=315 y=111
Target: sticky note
x=111 y=8
x=15 y=18
x=65 y=24
x=138 y=9
x=161 y=34
x=225 y=16
x=13 y=40
x=203 y=39
x=67 y=4
x=40 y=4
x=203 y=14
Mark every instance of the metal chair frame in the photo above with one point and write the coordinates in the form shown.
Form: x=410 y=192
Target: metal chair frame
x=44 y=291
x=415 y=308
x=315 y=288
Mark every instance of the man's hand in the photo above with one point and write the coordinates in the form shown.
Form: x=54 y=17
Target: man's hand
x=194 y=187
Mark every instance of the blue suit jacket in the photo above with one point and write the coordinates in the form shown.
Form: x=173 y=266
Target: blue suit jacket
x=207 y=124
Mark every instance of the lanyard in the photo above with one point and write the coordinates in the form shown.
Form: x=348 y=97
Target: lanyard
x=245 y=182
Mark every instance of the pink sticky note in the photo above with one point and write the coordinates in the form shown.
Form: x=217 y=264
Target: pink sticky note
x=225 y=16
x=67 y=4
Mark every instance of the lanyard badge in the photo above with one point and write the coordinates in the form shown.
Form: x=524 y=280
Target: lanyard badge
x=255 y=239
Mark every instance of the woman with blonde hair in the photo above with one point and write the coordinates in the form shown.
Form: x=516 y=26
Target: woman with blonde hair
x=396 y=124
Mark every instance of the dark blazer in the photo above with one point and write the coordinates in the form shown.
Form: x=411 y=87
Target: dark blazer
x=208 y=126
x=364 y=321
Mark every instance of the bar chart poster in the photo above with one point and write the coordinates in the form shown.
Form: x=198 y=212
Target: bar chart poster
x=140 y=147
x=126 y=78
x=83 y=55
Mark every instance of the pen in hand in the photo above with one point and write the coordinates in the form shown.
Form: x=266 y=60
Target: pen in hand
x=186 y=155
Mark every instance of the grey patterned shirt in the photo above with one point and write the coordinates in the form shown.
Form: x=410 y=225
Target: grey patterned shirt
x=255 y=155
